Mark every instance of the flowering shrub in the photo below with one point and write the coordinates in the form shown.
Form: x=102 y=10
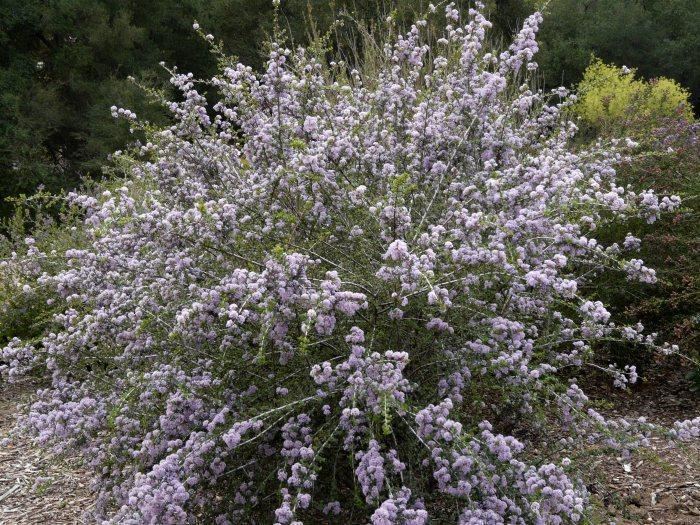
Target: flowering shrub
x=667 y=161
x=343 y=295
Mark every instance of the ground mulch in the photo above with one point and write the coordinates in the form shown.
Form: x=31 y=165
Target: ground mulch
x=36 y=487
x=660 y=484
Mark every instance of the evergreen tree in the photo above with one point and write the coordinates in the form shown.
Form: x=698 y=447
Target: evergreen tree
x=657 y=37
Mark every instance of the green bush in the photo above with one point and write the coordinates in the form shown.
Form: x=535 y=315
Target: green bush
x=42 y=223
x=657 y=115
x=613 y=100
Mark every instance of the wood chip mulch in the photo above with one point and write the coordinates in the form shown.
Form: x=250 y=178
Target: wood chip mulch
x=36 y=487
x=661 y=483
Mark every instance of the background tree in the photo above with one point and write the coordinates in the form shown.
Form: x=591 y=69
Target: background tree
x=657 y=37
x=63 y=63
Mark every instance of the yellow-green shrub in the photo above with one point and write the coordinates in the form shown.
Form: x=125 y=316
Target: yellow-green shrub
x=611 y=98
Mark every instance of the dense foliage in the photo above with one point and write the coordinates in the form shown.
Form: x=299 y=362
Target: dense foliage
x=63 y=64
x=339 y=293
x=614 y=102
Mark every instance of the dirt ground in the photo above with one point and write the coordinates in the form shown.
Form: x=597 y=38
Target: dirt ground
x=660 y=484
x=35 y=486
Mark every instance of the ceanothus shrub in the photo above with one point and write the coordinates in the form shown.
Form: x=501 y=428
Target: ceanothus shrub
x=344 y=295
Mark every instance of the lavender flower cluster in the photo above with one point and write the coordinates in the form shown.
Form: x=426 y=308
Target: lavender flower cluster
x=311 y=297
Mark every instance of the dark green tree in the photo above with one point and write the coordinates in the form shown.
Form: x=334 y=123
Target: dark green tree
x=63 y=63
x=658 y=37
